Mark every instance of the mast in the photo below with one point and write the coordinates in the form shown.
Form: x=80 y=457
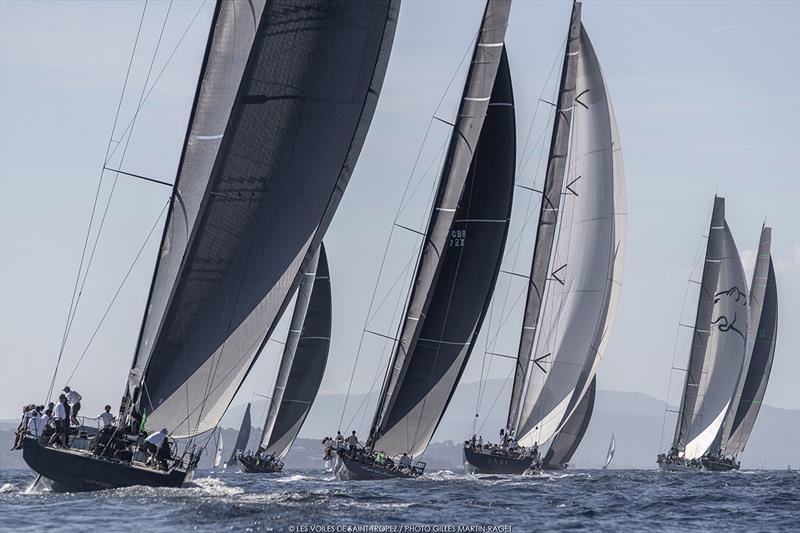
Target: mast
x=428 y=327
x=270 y=148
x=548 y=213
x=304 y=358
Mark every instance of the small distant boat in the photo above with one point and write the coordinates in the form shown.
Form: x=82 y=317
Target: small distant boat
x=575 y=274
x=280 y=114
x=218 y=464
x=610 y=454
x=305 y=355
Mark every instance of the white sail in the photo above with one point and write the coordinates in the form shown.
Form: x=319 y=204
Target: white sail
x=218 y=456
x=610 y=454
x=586 y=267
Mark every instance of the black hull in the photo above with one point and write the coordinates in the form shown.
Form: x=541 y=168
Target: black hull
x=346 y=469
x=714 y=465
x=249 y=466
x=77 y=471
x=484 y=463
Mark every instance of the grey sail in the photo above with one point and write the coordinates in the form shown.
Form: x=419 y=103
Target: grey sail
x=548 y=214
x=242 y=437
x=760 y=346
x=461 y=253
x=724 y=352
x=566 y=441
x=304 y=357
x=286 y=95
x=585 y=271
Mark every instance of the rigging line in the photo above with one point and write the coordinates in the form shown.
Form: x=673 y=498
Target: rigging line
x=114 y=183
x=391 y=232
x=499 y=393
x=157 y=79
x=119 y=289
x=94 y=208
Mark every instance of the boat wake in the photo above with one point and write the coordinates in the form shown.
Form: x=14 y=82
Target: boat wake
x=213 y=486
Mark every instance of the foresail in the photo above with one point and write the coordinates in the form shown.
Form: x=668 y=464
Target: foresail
x=566 y=442
x=304 y=358
x=548 y=215
x=586 y=268
x=258 y=185
x=725 y=353
x=461 y=254
x=760 y=346
x=243 y=436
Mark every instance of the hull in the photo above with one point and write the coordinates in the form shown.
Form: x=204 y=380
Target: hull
x=77 y=471
x=346 y=469
x=715 y=465
x=484 y=463
x=249 y=466
x=665 y=466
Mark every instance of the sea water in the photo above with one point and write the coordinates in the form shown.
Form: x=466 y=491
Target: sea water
x=309 y=501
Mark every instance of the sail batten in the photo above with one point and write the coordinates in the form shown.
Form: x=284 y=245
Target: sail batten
x=459 y=261
x=292 y=86
x=304 y=358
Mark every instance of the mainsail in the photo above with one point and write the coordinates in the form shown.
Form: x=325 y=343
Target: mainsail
x=218 y=454
x=612 y=447
x=243 y=436
x=461 y=252
x=566 y=441
x=584 y=273
x=286 y=94
x=719 y=343
x=760 y=347
x=304 y=357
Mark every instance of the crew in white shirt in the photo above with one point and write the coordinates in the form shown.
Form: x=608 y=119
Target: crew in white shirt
x=74 y=400
x=106 y=417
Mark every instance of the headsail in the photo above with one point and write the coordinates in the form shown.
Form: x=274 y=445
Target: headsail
x=566 y=441
x=585 y=272
x=760 y=346
x=304 y=357
x=286 y=95
x=243 y=436
x=612 y=447
x=719 y=342
x=461 y=253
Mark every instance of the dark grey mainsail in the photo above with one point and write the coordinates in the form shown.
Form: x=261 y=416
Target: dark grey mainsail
x=286 y=95
x=760 y=346
x=566 y=441
x=461 y=253
x=243 y=436
x=720 y=336
x=548 y=215
x=304 y=357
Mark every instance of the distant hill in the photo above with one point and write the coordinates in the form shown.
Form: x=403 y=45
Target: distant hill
x=636 y=419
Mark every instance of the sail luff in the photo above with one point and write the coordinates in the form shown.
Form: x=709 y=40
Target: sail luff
x=760 y=346
x=548 y=215
x=700 y=334
x=255 y=198
x=243 y=436
x=472 y=110
x=304 y=358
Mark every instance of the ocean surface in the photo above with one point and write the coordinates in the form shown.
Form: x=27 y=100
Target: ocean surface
x=619 y=500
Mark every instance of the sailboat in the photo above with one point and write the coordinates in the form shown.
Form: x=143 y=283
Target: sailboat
x=286 y=93
x=456 y=272
x=717 y=355
x=302 y=367
x=575 y=274
x=242 y=437
x=218 y=454
x=763 y=327
x=612 y=446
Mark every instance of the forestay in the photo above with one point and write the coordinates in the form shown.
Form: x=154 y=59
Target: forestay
x=305 y=355
x=760 y=346
x=286 y=94
x=461 y=253
x=586 y=268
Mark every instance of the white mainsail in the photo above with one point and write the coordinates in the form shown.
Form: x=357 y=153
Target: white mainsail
x=610 y=454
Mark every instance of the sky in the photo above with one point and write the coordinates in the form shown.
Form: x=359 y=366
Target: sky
x=707 y=98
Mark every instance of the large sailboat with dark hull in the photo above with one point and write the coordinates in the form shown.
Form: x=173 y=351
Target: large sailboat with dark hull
x=575 y=276
x=721 y=354
x=457 y=269
x=302 y=366
x=286 y=93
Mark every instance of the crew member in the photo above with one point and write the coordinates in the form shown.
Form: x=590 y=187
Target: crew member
x=74 y=400
x=154 y=441
x=106 y=417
